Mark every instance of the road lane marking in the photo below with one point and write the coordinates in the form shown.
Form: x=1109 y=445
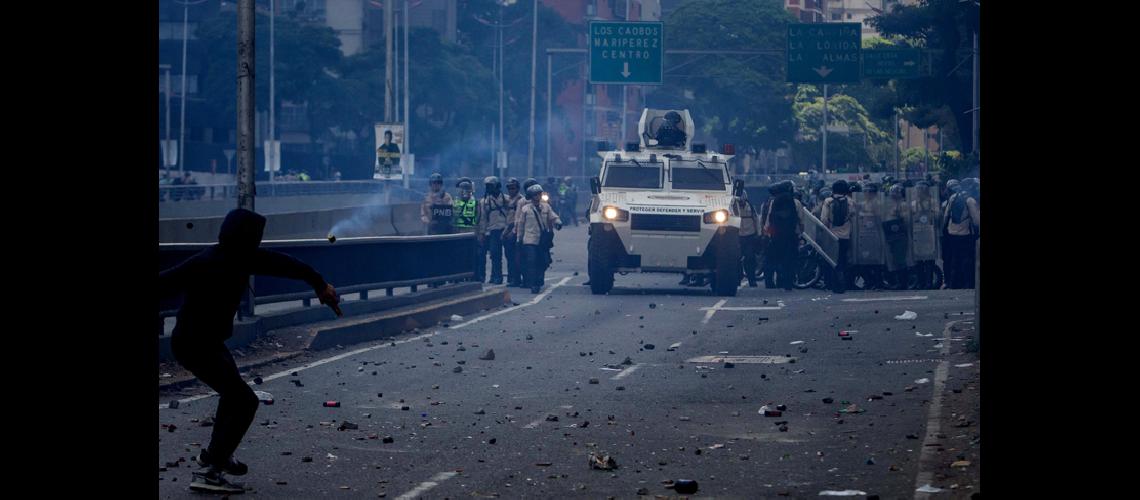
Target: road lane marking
x=740 y=359
x=933 y=418
x=362 y=350
x=538 y=298
x=878 y=299
x=426 y=486
x=712 y=310
x=625 y=373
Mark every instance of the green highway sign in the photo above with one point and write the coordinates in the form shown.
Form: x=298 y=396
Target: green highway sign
x=824 y=52
x=893 y=63
x=626 y=52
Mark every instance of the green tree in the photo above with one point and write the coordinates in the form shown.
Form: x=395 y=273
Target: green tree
x=865 y=144
x=307 y=56
x=946 y=28
x=742 y=100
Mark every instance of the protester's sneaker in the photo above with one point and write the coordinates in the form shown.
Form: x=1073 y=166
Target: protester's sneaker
x=212 y=480
x=230 y=466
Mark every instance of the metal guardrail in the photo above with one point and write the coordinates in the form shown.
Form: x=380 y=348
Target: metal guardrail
x=351 y=264
x=195 y=192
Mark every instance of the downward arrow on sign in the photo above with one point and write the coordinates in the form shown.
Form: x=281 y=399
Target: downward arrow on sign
x=823 y=71
x=625 y=70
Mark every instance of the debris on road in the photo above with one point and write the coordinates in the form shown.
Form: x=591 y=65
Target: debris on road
x=926 y=488
x=488 y=356
x=264 y=397
x=601 y=461
x=797 y=342
x=593 y=381
x=828 y=400
x=387 y=439
x=457 y=369
x=173 y=405
x=331 y=404
x=922 y=381
x=907 y=315
x=529 y=337
x=674 y=346
x=456 y=317
x=346 y=425
x=684 y=486
x=257 y=380
x=650 y=346
x=842 y=493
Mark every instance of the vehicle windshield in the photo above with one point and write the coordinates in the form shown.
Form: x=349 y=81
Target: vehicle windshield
x=691 y=175
x=629 y=175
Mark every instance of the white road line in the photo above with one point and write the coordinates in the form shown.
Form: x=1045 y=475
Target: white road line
x=933 y=426
x=744 y=308
x=878 y=299
x=624 y=373
x=538 y=298
x=426 y=486
x=339 y=357
x=712 y=310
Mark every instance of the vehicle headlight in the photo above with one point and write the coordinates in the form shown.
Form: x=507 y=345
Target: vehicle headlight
x=614 y=214
x=545 y=197
x=716 y=217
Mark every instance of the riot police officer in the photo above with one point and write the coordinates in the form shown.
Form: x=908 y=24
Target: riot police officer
x=567 y=200
x=436 y=210
x=925 y=214
x=520 y=203
x=896 y=222
x=493 y=219
x=836 y=214
x=749 y=236
x=514 y=270
x=869 y=244
x=533 y=220
x=784 y=226
x=466 y=217
x=671 y=134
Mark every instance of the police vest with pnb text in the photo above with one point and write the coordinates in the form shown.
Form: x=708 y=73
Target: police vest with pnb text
x=465 y=214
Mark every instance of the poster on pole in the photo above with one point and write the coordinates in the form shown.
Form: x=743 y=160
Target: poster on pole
x=389 y=147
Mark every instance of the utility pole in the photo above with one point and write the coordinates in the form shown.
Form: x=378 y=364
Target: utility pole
x=407 y=98
x=825 y=121
x=166 y=145
x=182 y=93
x=549 y=96
x=501 y=64
x=624 y=109
x=270 y=153
x=245 y=119
x=388 y=61
x=976 y=111
x=895 y=142
x=533 y=72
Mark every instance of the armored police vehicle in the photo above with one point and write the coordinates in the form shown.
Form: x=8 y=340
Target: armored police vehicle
x=664 y=205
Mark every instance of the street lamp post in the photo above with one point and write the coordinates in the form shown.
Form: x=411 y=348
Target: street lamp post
x=182 y=92
x=533 y=72
x=166 y=93
x=270 y=152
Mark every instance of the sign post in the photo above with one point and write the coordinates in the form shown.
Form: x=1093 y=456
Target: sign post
x=824 y=53
x=626 y=53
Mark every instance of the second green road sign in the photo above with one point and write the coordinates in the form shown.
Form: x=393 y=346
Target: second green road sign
x=626 y=52
x=893 y=63
x=824 y=52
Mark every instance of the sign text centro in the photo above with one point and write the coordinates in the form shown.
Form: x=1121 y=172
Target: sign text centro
x=626 y=52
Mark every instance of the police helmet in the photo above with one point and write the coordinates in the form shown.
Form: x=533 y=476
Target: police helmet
x=953 y=185
x=466 y=185
x=896 y=192
x=825 y=193
x=856 y=188
x=528 y=183
x=490 y=179
x=787 y=187
x=533 y=190
x=435 y=178
x=462 y=180
x=673 y=117
x=840 y=187
x=512 y=182
x=567 y=179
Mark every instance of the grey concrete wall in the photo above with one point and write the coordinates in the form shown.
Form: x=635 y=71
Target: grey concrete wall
x=369 y=220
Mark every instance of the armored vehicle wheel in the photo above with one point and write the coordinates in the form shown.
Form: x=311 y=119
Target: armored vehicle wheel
x=726 y=278
x=599 y=266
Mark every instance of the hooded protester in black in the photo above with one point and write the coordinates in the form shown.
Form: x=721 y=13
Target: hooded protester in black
x=212 y=283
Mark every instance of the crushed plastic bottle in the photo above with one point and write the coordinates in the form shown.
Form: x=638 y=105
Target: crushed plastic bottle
x=264 y=397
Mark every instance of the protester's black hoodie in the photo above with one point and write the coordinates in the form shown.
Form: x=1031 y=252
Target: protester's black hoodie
x=214 y=279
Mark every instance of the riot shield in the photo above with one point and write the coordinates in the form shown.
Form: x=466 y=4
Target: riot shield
x=925 y=212
x=867 y=243
x=896 y=234
x=819 y=236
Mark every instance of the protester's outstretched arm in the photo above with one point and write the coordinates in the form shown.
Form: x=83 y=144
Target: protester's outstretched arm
x=175 y=280
x=270 y=263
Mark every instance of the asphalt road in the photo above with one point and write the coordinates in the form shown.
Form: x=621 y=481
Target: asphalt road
x=486 y=431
